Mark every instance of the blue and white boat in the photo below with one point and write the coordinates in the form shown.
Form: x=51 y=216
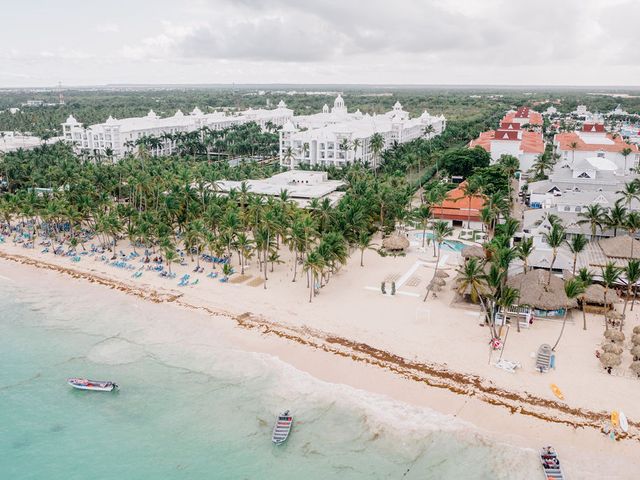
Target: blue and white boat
x=97 y=385
x=282 y=428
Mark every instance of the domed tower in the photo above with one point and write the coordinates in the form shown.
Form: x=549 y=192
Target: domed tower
x=325 y=109
x=338 y=105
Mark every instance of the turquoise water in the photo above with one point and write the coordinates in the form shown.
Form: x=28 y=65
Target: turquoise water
x=200 y=413
x=448 y=245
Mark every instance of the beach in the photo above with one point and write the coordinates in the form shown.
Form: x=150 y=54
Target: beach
x=428 y=355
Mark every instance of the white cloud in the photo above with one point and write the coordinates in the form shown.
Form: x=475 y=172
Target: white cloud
x=355 y=41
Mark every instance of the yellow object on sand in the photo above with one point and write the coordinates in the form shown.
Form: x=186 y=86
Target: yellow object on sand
x=615 y=418
x=556 y=391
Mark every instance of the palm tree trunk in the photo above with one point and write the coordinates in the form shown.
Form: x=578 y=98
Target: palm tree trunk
x=584 y=315
x=564 y=321
x=434 y=276
x=606 y=324
x=362 y=257
x=633 y=300
x=626 y=299
x=295 y=264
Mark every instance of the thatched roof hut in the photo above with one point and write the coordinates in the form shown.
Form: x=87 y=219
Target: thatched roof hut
x=635 y=367
x=610 y=360
x=535 y=292
x=636 y=329
x=620 y=247
x=395 y=243
x=472 y=251
x=636 y=339
x=441 y=274
x=612 y=348
x=594 y=294
x=614 y=335
x=635 y=351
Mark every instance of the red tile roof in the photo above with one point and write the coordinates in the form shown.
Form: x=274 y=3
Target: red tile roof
x=593 y=127
x=531 y=142
x=564 y=141
x=457 y=207
x=534 y=117
x=509 y=126
x=506 y=135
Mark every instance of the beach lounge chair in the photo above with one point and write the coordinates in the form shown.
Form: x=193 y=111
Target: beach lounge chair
x=224 y=279
x=213 y=275
x=508 y=366
x=195 y=282
x=543 y=358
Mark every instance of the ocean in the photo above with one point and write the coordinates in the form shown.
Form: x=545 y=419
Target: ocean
x=203 y=412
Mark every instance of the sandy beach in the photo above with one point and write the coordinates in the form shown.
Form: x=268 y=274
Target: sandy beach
x=427 y=354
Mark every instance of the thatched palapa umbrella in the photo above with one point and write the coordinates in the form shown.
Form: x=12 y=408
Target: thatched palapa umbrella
x=635 y=351
x=472 y=251
x=635 y=368
x=636 y=339
x=610 y=360
x=395 y=243
x=612 y=348
x=433 y=286
x=441 y=274
x=613 y=315
x=536 y=291
x=614 y=335
x=636 y=329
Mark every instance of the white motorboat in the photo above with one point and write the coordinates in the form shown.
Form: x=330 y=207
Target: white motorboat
x=97 y=385
x=282 y=428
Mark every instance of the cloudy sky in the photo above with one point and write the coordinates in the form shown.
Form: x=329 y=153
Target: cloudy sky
x=548 y=42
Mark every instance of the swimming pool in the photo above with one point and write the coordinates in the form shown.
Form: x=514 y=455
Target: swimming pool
x=447 y=245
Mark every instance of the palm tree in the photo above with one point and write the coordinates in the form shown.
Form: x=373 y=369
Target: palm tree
x=508 y=297
x=376 y=143
x=364 y=241
x=586 y=278
x=555 y=238
x=632 y=225
x=423 y=215
x=630 y=192
x=610 y=276
x=313 y=265
x=441 y=230
x=595 y=216
x=572 y=288
x=510 y=165
x=616 y=218
x=625 y=153
x=471 y=189
x=576 y=244
x=524 y=250
x=632 y=275
x=573 y=146
x=471 y=277
x=244 y=246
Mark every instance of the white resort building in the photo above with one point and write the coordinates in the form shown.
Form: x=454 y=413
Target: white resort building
x=336 y=137
x=301 y=187
x=511 y=139
x=115 y=137
x=594 y=141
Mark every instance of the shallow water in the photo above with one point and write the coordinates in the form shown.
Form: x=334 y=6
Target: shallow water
x=201 y=412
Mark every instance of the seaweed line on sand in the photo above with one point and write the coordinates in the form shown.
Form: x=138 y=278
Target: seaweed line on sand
x=432 y=374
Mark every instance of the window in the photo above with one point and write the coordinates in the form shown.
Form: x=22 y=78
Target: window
x=584 y=175
x=578 y=209
x=600 y=154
